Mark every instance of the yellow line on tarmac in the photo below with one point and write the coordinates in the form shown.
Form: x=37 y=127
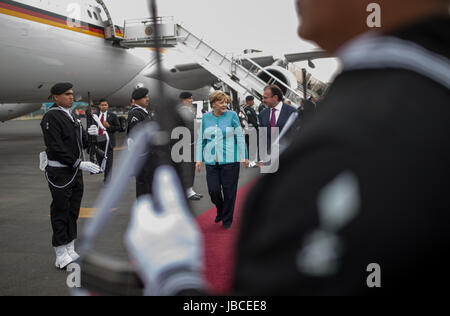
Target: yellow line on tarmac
x=89 y=212
x=120 y=148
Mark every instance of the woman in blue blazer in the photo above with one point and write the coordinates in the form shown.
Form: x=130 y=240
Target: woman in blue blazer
x=221 y=145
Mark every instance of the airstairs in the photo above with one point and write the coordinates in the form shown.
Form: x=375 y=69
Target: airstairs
x=140 y=33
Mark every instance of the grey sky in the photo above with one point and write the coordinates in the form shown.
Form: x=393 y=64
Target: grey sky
x=233 y=25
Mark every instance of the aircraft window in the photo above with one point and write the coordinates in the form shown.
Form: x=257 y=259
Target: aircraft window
x=95 y=16
x=89 y=12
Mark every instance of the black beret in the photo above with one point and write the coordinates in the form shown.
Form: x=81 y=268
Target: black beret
x=140 y=93
x=185 y=95
x=249 y=98
x=60 y=88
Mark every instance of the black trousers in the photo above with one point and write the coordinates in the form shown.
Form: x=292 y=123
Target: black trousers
x=187 y=173
x=252 y=156
x=144 y=179
x=222 y=187
x=65 y=207
x=109 y=162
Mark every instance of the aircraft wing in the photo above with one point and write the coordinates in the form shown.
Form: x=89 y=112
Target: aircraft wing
x=296 y=57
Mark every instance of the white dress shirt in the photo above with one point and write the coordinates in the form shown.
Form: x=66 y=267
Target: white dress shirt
x=105 y=116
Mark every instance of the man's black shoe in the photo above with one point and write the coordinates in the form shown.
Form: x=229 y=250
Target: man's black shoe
x=226 y=226
x=218 y=219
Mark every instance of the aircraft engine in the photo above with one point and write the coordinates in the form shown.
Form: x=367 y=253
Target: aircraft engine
x=281 y=74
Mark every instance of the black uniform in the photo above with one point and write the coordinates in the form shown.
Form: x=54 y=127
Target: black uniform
x=186 y=169
x=114 y=126
x=366 y=182
x=65 y=140
x=251 y=115
x=252 y=119
x=144 y=178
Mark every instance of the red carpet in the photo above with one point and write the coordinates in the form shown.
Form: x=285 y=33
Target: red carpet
x=220 y=245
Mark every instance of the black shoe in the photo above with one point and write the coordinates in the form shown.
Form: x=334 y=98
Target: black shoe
x=194 y=198
x=199 y=195
x=226 y=226
x=218 y=219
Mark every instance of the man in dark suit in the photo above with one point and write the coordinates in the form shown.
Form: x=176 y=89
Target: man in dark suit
x=112 y=125
x=276 y=115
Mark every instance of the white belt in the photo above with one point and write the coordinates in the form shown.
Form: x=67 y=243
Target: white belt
x=56 y=164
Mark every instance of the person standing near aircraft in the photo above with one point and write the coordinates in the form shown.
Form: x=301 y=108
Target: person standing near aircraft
x=65 y=140
x=275 y=115
x=187 y=168
x=112 y=125
x=222 y=151
x=138 y=115
x=252 y=119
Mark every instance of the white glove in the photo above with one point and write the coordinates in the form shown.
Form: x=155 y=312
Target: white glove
x=93 y=130
x=89 y=167
x=130 y=143
x=162 y=235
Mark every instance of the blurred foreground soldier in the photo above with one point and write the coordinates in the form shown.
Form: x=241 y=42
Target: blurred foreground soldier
x=112 y=125
x=63 y=162
x=187 y=168
x=137 y=115
x=360 y=202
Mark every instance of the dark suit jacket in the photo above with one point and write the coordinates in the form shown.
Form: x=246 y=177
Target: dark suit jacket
x=286 y=112
x=114 y=126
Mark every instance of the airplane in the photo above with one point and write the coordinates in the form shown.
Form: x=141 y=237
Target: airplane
x=42 y=43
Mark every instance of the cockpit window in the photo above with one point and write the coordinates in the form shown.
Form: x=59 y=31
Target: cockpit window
x=89 y=12
x=95 y=16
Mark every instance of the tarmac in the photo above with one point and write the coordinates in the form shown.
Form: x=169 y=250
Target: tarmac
x=27 y=257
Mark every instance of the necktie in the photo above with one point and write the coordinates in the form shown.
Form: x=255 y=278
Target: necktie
x=273 y=119
x=102 y=119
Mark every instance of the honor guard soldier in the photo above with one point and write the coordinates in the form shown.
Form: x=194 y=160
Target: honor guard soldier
x=65 y=140
x=137 y=115
x=187 y=113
